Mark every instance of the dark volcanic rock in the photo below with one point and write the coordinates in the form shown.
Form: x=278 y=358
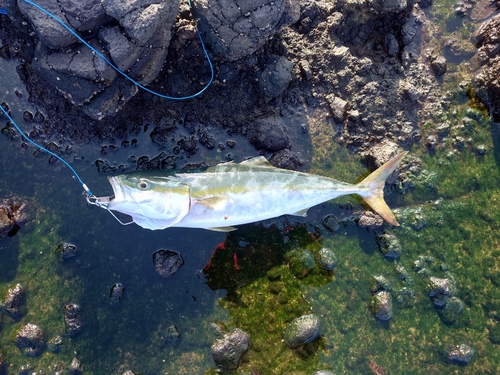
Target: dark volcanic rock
x=72 y=319
x=276 y=77
x=30 y=339
x=302 y=330
x=268 y=133
x=285 y=159
x=167 y=262
x=134 y=36
x=66 y=251
x=486 y=83
x=237 y=28
x=13 y=299
x=228 y=350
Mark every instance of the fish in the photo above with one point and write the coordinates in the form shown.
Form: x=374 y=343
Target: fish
x=232 y=194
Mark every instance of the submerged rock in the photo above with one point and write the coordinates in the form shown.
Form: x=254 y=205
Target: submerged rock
x=6 y=221
x=451 y=310
x=55 y=343
x=381 y=305
x=327 y=259
x=167 y=262
x=13 y=299
x=300 y=262
x=116 y=293
x=302 y=330
x=72 y=319
x=228 y=351
x=461 y=353
x=2 y=363
x=66 y=251
x=13 y=214
x=440 y=290
x=75 y=366
x=389 y=245
x=323 y=372
x=30 y=339
x=173 y=333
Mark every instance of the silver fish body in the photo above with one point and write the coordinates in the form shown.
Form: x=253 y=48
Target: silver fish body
x=231 y=194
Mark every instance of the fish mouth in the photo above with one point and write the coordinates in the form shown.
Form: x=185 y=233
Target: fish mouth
x=117 y=186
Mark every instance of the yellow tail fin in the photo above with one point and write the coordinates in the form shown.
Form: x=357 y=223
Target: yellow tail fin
x=372 y=188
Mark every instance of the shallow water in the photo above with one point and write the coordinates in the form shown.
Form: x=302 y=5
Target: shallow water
x=451 y=214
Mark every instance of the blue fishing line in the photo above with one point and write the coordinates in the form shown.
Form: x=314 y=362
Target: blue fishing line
x=87 y=190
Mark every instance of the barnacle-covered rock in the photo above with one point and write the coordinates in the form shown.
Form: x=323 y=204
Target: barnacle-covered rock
x=302 y=330
x=30 y=339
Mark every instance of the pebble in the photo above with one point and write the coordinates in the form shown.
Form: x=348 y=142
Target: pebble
x=302 y=330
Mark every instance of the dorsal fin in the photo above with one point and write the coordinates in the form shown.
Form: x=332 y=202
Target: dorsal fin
x=258 y=161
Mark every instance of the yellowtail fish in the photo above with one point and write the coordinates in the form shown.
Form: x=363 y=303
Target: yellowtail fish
x=231 y=194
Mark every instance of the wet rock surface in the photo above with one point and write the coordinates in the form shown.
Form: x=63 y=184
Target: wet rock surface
x=228 y=350
x=302 y=330
x=30 y=339
x=13 y=298
x=72 y=319
x=167 y=262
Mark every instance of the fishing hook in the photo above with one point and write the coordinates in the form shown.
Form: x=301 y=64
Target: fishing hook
x=104 y=202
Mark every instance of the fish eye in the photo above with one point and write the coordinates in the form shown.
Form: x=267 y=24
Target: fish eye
x=143 y=185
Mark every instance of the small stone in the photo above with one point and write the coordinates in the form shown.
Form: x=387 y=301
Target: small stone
x=381 y=305
x=116 y=293
x=431 y=142
x=13 y=299
x=451 y=310
x=72 y=319
x=327 y=259
x=55 y=343
x=167 y=262
x=66 y=251
x=389 y=246
x=30 y=339
x=128 y=372
x=338 y=107
x=461 y=353
x=75 y=367
x=228 y=351
x=323 y=372
x=24 y=369
x=440 y=290
x=370 y=219
x=379 y=283
x=173 y=333
x=438 y=65
x=331 y=223
x=302 y=330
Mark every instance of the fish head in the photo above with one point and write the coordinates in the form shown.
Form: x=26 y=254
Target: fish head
x=153 y=202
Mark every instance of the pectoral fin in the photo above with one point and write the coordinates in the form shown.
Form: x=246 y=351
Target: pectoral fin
x=217 y=202
x=222 y=229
